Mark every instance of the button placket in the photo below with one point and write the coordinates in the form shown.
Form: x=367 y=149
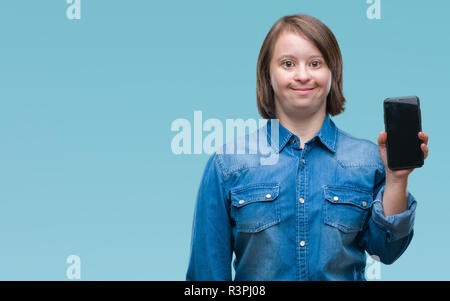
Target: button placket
x=302 y=216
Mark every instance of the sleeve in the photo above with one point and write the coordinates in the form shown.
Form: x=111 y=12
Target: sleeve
x=211 y=241
x=387 y=237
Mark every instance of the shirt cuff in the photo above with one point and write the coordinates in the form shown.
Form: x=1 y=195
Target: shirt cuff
x=396 y=226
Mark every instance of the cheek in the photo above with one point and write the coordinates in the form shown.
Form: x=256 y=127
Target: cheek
x=278 y=81
x=275 y=81
x=325 y=80
x=329 y=82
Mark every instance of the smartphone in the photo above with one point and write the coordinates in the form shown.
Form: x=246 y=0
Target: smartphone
x=402 y=122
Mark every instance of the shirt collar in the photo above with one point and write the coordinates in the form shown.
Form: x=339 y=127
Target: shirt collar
x=327 y=134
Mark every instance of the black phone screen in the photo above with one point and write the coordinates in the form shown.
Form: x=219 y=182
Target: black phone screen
x=403 y=123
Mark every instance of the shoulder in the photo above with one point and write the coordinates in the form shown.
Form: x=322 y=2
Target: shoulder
x=357 y=152
x=242 y=152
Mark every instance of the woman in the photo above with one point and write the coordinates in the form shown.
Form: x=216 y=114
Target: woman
x=328 y=199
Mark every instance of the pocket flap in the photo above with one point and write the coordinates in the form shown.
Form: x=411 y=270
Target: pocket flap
x=352 y=196
x=256 y=193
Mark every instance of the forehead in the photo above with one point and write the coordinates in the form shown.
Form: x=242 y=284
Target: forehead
x=294 y=44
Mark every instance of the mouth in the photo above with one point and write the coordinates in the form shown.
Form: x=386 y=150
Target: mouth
x=303 y=91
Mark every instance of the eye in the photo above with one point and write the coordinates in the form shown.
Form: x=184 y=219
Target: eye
x=315 y=64
x=288 y=64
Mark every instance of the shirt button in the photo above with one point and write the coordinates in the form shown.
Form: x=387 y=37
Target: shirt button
x=303 y=161
x=241 y=202
x=336 y=198
x=364 y=203
x=302 y=243
x=268 y=196
x=295 y=140
x=301 y=200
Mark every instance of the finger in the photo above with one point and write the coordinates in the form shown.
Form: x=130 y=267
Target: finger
x=424 y=137
x=425 y=150
x=382 y=137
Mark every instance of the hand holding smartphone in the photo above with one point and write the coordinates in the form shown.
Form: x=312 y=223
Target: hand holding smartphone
x=402 y=120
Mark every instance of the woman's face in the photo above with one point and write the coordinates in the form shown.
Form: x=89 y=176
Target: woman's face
x=300 y=78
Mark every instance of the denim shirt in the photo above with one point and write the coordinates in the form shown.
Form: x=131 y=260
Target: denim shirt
x=310 y=216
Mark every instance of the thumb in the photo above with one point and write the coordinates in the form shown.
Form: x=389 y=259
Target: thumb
x=382 y=138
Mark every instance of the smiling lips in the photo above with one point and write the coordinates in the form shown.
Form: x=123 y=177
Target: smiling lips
x=303 y=91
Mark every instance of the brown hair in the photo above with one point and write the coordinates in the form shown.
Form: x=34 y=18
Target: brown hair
x=322 y=37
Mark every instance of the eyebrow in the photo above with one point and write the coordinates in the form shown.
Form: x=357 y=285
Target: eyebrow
x=293 y=57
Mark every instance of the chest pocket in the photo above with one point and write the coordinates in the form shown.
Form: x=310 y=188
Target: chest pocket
x=255 y=207
x=346 y=208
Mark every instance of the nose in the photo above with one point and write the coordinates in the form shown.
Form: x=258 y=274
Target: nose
x=302 y=74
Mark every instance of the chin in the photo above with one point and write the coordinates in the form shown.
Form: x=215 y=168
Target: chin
x=302 y=102
x=305 y=105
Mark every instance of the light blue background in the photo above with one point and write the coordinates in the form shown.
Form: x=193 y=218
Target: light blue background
x=86 y=106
